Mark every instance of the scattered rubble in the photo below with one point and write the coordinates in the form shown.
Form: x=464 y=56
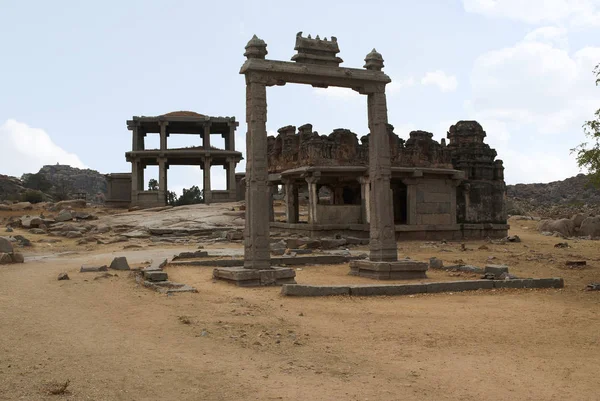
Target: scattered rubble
x=63 y=276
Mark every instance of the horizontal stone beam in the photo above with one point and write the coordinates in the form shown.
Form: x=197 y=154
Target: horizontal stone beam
x=302 y=290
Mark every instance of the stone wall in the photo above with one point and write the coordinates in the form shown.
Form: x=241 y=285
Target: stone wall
x=305 y=147
x=481 y=196
x=334 y=214
x=435 y=200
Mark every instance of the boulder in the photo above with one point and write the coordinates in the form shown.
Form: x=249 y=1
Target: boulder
x=578 y=219
x=70 y=203
x=64 y=216
x=73 y=234
x=435 y=263
x=590 y=226
x=18 y=258
x=63 y=276
x=22 y=240
x=5 y=246
x=120 y=263
x=31 y=222
x=564 y=227
x=93 y=269
x=5 y=258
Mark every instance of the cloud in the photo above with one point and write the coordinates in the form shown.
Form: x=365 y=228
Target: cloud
x=338 y=93
x=397 y=85
x=26 y=150
x=446 y=83
x=578 y=13
x=532 y=99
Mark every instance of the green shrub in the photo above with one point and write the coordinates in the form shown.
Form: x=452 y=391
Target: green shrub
x=33 y=196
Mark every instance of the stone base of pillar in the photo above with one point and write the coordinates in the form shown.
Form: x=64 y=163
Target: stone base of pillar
x=399 y=270
x=256 y=278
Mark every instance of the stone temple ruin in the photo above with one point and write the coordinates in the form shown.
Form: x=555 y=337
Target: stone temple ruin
x=439 y=191
x=388 y=187
x=129 y=189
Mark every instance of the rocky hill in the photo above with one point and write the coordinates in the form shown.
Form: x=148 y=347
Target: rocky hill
x=556 y=199
x=10 y=188
x=74 y=180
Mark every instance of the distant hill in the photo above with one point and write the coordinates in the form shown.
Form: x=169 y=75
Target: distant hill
x=74 y=180
x=61 y=179
x=554 y=199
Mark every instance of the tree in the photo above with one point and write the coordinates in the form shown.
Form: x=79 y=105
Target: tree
x=152 y=185
x=191 y=196
x=171 y=198
x=37 y=181
x=588 y=154
x=62 y=190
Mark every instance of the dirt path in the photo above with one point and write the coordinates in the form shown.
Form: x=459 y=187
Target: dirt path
x=116 y=341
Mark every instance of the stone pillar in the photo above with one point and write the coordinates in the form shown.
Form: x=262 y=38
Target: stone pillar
x=313 y=199
x=411 y=200
x=206 y=138
x=272 y=189
x=382 y=233
x=230 y=175
x=206 y=174
x=134 y=176
x=163 y=134
x=162 y=175
x=256 y=245
x=292 y=212
x=365 y=197
x=230 y=137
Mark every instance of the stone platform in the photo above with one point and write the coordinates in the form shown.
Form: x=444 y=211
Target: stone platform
x=255 y=278
x=398 y=270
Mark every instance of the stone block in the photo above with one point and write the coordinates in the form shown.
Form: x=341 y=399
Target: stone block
x=458 y=286
x=300 y=290
x=357 y=241
x=496 y=270
x=433 y=197
x=18 y=257
x=433 y=219
x=120 y=263
x=156 y=275
x=389 y=290
x=191 y=255
x=93 y=269
x=433 y=208
x=398 y=270
x=5 y=246
x=251 y=278
x=5 y=259
x=530 y=283
x=435 y=263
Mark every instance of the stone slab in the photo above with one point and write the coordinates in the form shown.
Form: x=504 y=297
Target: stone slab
x=458 y=286
x=378 y=290
x=419 y=288
x=288 y=261
x=299 y=290
x=497 y=270
x=554 y=282
x=398 y=270
x=255 y=277
x=120 y=263
x=156 y=275
x=93 y=269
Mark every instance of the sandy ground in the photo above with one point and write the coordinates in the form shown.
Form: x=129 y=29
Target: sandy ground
x=114 y=340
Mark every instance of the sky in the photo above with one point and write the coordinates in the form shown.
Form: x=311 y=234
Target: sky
x=73 y=72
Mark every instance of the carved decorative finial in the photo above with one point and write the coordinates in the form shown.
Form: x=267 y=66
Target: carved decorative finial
x=256 y=48
x=316 y=51
x=374 y=61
